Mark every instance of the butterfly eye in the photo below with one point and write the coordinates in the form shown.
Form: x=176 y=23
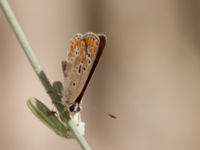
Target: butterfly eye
x=75 y=107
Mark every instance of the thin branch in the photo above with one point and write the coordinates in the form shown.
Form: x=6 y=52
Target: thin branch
x=40 y=73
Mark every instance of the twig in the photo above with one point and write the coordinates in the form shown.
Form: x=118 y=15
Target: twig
x=40 y=73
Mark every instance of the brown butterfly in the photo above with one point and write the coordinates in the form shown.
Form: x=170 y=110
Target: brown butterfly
x=82 y=59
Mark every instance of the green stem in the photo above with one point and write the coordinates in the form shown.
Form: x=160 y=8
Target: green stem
x=78 y=136
x=38 y=70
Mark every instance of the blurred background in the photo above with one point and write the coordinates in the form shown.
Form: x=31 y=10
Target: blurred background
x=148 y=75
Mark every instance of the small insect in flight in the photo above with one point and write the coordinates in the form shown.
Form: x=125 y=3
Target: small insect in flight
x=112 y=116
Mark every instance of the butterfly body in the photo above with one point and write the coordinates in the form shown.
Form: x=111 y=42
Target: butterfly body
x=82 y=58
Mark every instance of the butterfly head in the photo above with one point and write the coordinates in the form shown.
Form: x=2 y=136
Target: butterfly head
x=75 y=107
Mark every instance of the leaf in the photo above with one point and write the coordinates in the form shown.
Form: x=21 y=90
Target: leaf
x=49 y=118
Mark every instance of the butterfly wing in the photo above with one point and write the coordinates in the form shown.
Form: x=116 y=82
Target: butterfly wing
x=72 y=74
x=88 y=37
x=84 y=54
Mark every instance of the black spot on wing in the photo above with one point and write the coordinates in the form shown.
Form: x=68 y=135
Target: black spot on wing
x=79 y=69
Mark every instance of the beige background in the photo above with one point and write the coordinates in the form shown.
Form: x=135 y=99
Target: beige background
x=148 y=76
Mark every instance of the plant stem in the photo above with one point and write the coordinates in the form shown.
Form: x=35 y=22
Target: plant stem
x=78 y=136
x=38 y=70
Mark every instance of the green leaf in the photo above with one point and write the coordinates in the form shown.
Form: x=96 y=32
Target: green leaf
x=58 y=87
x=49 y=118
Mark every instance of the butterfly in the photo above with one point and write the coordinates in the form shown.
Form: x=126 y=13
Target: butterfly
x=82 y=58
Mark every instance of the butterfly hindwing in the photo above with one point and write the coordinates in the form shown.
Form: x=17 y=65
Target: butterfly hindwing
x=70 y=68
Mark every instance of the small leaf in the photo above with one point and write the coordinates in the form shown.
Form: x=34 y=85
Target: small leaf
x=48 y=118
x=58 y=87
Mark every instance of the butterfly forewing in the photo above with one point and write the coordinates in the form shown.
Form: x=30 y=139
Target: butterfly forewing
x=95 y=61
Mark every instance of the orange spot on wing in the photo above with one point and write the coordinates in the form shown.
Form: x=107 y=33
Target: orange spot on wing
x=81 y=52
x=89 y=42
x=72 y=46
x=78 y=42
x=92 y=43
x=94 y=49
